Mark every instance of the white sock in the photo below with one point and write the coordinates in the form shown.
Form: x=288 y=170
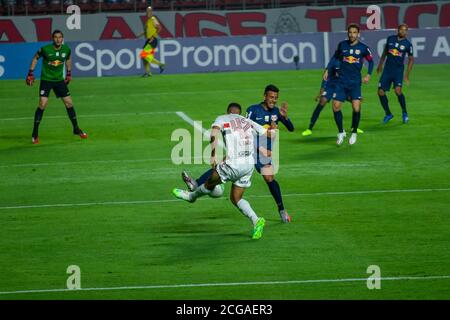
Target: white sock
x=200 y=191
x=245 y=208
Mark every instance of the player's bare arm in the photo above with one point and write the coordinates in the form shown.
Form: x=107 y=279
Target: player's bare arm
x=68 y=71
x=284 y=110
x=325 y=75
x=382 y=59
x=409 y=68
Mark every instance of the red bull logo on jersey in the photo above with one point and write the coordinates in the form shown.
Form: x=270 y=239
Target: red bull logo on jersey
x=395 y=52
x=55 y=63
x=351 y=59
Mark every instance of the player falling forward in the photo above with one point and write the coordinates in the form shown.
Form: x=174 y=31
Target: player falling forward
x=237 y=167
x=152 y=28
x=325 y=95
x=351 y=54
x=397 y=46
x=54 y=57
x=267 y=114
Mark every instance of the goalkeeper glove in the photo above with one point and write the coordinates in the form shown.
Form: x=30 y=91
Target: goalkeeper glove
x=68 y=77
x=30 y=78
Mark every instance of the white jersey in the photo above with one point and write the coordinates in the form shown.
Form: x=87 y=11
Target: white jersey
x=239 y=136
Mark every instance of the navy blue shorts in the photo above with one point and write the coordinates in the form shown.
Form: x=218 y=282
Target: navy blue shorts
x=329 y=90
x=345 y=90
x=388 y=78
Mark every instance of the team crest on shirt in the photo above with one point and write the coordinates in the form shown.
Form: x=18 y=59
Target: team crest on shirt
x=351 y=59
x=266 y=118
x=63 y=55
x=395 y=52
x=402 y=47
x=55 y=63
x=357 y=51
x=274 y=117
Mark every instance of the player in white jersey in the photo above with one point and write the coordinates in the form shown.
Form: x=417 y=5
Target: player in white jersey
x=239 y=137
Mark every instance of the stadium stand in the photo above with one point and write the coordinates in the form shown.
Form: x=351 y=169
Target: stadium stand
x=41 y=7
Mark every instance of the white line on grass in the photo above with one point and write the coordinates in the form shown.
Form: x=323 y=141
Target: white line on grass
x=90 y=162
x=228 y=284
x=107 y=203
x=196 y=126
x=96 y=115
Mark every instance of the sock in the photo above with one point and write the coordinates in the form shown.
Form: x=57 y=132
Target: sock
x=355 y=121
x=37 y=120
x=275 y=190
x=204 y=177
x=73 y=118
x=385 y=103
x=245 y=208
x=338 y=119
x=402 y=101
x=199 y=192
x=315 y=115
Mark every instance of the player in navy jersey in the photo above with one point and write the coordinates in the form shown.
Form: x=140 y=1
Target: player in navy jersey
x=267 y=114
x=351 y=54
x=325 y=94
x=397 y=47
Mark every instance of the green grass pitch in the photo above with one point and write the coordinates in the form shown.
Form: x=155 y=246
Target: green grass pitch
x=118 y=221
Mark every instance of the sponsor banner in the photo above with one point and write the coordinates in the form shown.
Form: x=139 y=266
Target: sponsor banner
x=193 y=24
x=121 y=57
x=215 y=54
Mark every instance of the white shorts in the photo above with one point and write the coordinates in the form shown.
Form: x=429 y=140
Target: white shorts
x=239 y=175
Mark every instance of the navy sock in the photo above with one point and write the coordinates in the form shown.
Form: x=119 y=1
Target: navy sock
x=338 y=119
x=37 y=120
x=275 y=190
x=73 y=118
x=204 y=177
x=385 y=103
x=355 y=121
x=402 y=101
x=315 y=115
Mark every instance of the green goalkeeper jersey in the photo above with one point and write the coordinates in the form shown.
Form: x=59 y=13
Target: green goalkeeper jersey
x=53 y=61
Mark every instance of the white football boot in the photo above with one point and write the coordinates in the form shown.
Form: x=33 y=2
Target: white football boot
x=340 y=138
x=352 y=139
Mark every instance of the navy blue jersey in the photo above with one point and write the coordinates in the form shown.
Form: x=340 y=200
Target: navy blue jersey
x=352 y=58
x=396 y=50
x=264 y=117
x=333 y=71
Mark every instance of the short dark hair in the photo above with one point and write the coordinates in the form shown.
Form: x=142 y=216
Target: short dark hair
x=402 y=25
x=234 y=105
x=57 y=31
x=271 y=87
x=353 y=25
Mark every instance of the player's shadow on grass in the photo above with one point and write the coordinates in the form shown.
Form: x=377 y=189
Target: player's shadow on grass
x=201 y=241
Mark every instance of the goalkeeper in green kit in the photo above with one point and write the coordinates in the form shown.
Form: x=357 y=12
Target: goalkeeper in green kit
x=54 y=57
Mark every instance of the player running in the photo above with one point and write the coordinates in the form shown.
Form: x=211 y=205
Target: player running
x=237 y=167
x=351 y=54
x=325 y=95
x=397 y=46
x=54 y=57
x=151 y=31
x=268 y=115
